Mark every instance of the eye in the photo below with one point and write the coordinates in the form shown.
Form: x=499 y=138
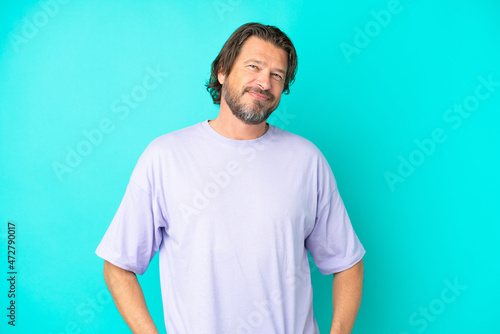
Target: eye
x=252 y=66
x=277 y=76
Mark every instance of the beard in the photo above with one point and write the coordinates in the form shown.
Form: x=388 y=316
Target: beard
x=253 y=113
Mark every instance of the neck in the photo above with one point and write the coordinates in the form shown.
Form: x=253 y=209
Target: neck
x=232 y=127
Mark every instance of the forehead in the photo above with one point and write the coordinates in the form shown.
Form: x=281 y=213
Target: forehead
x=264 y=51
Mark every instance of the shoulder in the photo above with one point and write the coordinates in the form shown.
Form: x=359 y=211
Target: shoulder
x=174 y=142
x=299 y=144
x=180 y=136
x=160 y=151
x=168 y=145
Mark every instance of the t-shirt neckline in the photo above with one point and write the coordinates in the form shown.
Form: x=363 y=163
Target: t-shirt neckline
x=214 y=134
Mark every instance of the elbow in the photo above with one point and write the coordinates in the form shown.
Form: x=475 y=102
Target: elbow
x=107 y=272
x=360 y=270
x=114 y=273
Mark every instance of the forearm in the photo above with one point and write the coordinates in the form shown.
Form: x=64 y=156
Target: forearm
x=129 y=299
x=346 y=298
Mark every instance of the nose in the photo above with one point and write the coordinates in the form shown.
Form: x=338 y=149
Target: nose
x=263 y=80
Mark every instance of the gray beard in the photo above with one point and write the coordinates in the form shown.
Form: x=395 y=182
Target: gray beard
x=255 y=114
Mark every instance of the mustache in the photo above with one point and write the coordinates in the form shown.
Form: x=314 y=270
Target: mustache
x=260 y=91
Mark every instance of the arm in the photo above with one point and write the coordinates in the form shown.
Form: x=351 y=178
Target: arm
x=129 y=299
x=346 y=298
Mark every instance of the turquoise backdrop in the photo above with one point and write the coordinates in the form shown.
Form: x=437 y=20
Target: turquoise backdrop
x=402 y=97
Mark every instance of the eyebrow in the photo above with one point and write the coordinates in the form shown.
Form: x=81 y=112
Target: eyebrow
x=262 y=63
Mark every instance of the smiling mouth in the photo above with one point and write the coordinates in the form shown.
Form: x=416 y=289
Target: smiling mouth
x=258 y=96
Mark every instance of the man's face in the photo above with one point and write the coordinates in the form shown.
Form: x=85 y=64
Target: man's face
x=253 y=88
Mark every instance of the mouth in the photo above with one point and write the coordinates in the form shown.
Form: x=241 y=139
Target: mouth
x=258 y=96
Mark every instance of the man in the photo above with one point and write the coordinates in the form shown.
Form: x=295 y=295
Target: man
x=233 y=205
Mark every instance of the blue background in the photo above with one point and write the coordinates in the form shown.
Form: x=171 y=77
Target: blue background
x=65 y=66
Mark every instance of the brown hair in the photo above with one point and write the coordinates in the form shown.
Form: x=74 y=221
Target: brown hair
x=232 y=47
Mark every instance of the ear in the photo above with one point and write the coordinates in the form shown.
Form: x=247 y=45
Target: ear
x=220 y=75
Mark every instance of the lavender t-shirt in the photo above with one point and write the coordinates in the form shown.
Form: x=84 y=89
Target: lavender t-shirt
x=233 y=221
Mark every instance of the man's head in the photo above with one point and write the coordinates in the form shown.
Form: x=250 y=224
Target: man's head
x=255 y=66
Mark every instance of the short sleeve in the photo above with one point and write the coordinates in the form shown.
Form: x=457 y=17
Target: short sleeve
x=136 y=231
x=332 y=243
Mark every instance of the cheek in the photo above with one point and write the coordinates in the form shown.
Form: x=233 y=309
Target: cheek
x=277 y=93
